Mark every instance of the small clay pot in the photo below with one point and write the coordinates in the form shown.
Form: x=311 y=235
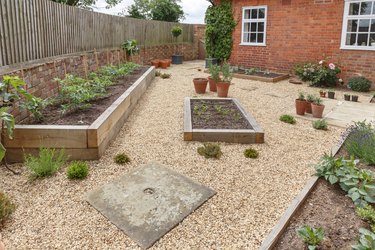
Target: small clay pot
x=347 y=97
x=163 y=64
x=169 y=62
x=155 y=63
x=354 y=98
x=317 y=110
x=300 y=107
x=212 y=84
x=222 y=89
x=322 y=94
x=308 y=108
x=200 y=85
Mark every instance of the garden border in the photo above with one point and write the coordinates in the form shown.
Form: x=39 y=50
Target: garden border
x=263 y=79
x=86 y=142
x=296 y=204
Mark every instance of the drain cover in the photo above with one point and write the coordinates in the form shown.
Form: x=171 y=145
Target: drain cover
x=149 y=201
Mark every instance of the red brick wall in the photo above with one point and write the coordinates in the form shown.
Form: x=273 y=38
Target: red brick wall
x=300 y=31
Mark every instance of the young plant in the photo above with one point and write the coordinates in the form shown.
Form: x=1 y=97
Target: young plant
x=78 y=170
x=310 y=98
x=367 y=213
x=287 y=119
x=227 y=72
x=157 y=73
x=131 y=47
x=46 y=164
x=6 y=207
x=312 y=237
x=165 y=76
x=251 y=153
x=215 y=72
x=318 y=101
x=366 y=240
x=301 y=96
x=121 y=158
x=320 y=124
x=210 y=150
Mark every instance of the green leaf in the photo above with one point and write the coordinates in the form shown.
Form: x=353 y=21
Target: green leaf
x=2 y=151
x=355 y=196
x=333 y=179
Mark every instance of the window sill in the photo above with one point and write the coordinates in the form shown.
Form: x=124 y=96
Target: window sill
x=253 y=44
x=364 y=48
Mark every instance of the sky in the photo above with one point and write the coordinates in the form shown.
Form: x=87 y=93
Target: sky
x=194 y=9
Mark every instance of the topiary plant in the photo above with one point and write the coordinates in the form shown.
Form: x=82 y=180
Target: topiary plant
x=251 y=153
x=287 y=119
x=210 y=150
x=176 y=32
x=359 y=83
x=6 y=207
x=121 y=158
x=78 y=170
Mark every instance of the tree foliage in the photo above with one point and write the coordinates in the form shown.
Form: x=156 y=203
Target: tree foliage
x=87 y=3
x=162 y=10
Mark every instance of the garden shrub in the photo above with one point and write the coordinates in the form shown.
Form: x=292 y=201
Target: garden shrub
x=318 y=74
x=287 y=119
x=251 y=153
x=311 y=236
x=165 y=76
x=320 y=124
x=78 y=170
x=359 y=83
x=46 y=164
x=6 y=207
x=210 y=150
x=121 y=158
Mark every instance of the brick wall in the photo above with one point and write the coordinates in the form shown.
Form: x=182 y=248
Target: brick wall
x=300 y=31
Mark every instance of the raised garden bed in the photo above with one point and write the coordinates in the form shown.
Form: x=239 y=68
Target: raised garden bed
x=219 y=119
x=83 y=142
x=261 y=76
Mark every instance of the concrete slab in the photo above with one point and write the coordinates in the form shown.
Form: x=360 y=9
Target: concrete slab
x=149 y=201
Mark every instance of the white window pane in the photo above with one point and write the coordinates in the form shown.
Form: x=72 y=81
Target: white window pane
x=247 y=14
x=246 y=37
x=352 y=25
x=354 y=9
x=364 y=25
x=246 y=27
x=253 y=27
x=366 y=8
x=373 y=8
x=351 y=39
x=260 y=27
x=262 y=13
x=254 y=14
x=253 y=37
x=372 y=29
x=260 y=38
x=372 y=39
x=362 y=40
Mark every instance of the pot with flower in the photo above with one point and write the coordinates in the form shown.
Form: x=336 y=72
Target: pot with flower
x=301 y=104
x=346 y=97
x=322 y=93
x=176 y=32
x=214 y=70
x=317 y=108
x=331 y=94
x=309 y=99
x=354 y=98
x=223 y=84
x=200 y=85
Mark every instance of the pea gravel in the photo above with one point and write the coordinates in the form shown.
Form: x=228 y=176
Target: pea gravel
x=251 y=193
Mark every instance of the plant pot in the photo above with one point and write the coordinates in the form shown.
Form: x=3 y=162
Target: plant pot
x=308 y=107
x=322 y=94
x=200 y=85
x=212 y=84
x=331 y=95
x=163 y=64
x=222 y=89
x=300 y=107
x=212 y=61
x=155 y=63
x=317 y=110
x=347 y=97
x=177 y=59
x=354 y=98
x=169 y=62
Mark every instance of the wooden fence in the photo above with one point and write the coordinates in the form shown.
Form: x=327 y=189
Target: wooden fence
x=36 y=29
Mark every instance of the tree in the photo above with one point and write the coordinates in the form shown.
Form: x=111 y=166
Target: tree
x=140 y=9
x=87 y=3
x=162 y=10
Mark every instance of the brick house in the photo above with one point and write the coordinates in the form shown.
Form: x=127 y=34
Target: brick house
x=277 y=34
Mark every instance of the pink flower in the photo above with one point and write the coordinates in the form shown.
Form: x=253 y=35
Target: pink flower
x=321 y=62
x=332 y=66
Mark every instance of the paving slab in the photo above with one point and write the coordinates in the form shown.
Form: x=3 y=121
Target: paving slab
x=149 y=201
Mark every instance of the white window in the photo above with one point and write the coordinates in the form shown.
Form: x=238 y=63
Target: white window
x=254 y=22
x=358 y=30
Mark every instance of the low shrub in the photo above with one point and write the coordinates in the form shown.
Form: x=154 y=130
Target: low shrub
x=210 y=150
x=121 y=158
x=165 y=76
x=251 y=153
x=6 y=207
x=157 y=73
x=320 y=124
x=287 y=119
x=318 y=74
x=46 y=164
x=359 y=83
x=311 y=236
x=78 y=170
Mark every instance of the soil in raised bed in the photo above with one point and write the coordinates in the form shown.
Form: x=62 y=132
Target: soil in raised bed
x=261 y=74
x=217 y=114
x=53 y=116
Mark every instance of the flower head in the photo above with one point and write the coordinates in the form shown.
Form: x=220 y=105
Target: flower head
x=332 y=66
x=321 y=62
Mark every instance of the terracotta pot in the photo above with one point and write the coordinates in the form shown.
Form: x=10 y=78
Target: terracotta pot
x=317 y=110
x=300 y=107
x=155 y=63
x=322 y=94
x=163 y=64
x=222 y=89
x=169 y=62
x=200 y=85
x=308 y=107
x=212 y=84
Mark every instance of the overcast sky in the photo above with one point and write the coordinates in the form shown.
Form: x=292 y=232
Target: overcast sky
x=194 y=9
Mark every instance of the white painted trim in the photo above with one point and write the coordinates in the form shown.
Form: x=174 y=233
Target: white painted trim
x=265 y=24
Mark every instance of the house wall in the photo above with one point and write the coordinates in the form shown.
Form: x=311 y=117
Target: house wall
x=300 y=31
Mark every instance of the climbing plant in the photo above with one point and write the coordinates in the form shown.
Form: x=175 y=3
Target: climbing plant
x=219 y=27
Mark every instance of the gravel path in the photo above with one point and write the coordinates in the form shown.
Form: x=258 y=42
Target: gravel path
x=251 y=194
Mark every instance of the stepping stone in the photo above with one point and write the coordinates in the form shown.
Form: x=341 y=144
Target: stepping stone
x=149 y=201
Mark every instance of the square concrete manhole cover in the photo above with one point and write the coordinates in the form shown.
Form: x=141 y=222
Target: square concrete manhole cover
x=149 y=201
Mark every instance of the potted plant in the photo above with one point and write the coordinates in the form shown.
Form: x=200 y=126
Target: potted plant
x=322 y=93
x=200 y=85
x=223 y=84
x=317 y=108
x=163 y=64
x=331 y=94
x=215 y=76
x=176 y=58
x=347 y=97
x=354 y=98
x=309 y=99
x=301 y=104
x=155 y=63
x=130 y=47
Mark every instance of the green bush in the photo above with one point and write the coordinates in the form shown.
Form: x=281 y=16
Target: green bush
x=311 y=236
x=318 y=74
x=359 y=83
x=251 y=153
x=46 y=164
x=6 y=207
x=320 y=124
x=121 y=158
x=287 y=119
x=165 y=76
x=78 y=170
x=210 y=150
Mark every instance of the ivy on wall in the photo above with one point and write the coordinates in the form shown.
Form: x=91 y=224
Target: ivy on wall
x=219 y=27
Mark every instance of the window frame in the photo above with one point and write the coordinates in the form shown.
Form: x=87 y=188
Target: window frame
x=346 y=18
x=247 y=21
